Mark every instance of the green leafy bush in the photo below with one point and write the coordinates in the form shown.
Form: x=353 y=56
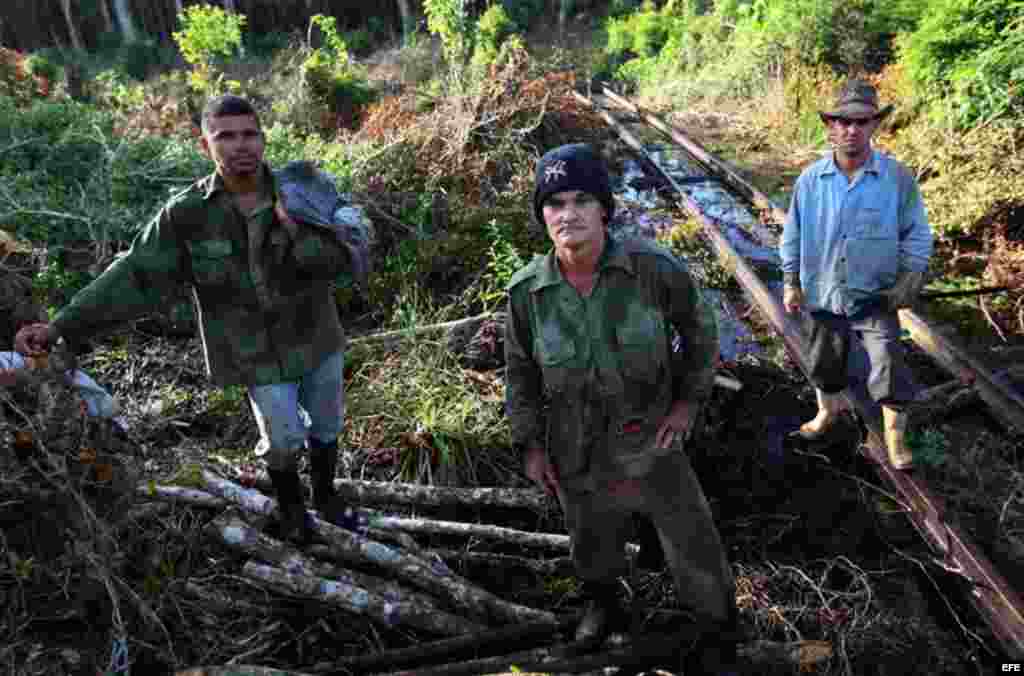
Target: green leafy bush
x=209 y=35
x=969 y=55
x=492 y=30
x=329 y=74
x=38 y=65
x=504 y=259
x=66 y=176
x=114 y=89
x=451 y=22
x=640 y=34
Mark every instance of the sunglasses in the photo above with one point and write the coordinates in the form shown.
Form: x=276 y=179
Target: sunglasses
x=851 y=121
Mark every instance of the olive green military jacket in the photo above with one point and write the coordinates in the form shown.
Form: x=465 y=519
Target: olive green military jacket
x=590 y=379
x=266 y=310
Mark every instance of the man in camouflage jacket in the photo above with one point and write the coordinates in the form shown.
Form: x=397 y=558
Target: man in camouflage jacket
x=261 y=284
x=601 y=405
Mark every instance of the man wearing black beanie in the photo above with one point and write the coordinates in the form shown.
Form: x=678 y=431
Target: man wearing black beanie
x=601 y=405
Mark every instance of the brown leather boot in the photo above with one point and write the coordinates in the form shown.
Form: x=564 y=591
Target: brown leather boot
x=602 y=616
x=829 y=407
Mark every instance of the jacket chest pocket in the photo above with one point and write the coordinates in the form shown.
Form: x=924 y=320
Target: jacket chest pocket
x=211 y=261
x=556 y=355
x=642 y=346
x=869 y=224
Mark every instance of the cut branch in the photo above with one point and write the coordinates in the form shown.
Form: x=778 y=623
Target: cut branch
x=360 y=601
x=391 y=337
x=181 y=495
x=478 y=530
x=562 y=565
x=433 y=577
x=235 y=533
x=380 y=492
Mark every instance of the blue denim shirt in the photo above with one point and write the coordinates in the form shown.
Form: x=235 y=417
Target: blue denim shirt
x=847 y=240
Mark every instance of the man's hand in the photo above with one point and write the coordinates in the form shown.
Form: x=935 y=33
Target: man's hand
x=905 y=291
x=792 y=298
x=677 y=425
x=35 y=340
x=540 y=469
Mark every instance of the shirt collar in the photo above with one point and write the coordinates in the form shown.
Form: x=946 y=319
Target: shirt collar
x=214 y=183
x=613 y=256
x=870 y=167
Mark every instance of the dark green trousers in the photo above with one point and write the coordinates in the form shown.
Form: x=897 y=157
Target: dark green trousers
x=599 y=520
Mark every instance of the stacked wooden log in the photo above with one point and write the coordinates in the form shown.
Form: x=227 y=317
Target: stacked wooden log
x=381 y=573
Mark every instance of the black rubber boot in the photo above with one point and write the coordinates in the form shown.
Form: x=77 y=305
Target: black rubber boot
x=290 y=506
x=603 y=615
x=323 y=461
x=715 y=652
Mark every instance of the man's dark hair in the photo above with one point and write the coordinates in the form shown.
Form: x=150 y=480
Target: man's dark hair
x=226 y=105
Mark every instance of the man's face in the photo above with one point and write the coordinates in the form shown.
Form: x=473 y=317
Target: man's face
x=574 y=219
x=235 y=144
x=851 y=136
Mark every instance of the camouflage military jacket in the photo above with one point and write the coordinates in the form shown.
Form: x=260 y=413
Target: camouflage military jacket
x=264 y=300
x=590 y=379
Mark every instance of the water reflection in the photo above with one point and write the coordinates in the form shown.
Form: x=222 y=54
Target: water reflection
x=642 y=213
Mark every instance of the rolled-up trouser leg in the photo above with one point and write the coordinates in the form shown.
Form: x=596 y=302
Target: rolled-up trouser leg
x=828 y=350
x=322 y=396
x=282 y=431
x=890 y=381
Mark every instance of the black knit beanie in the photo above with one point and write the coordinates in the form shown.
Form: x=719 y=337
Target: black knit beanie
x=572 y=167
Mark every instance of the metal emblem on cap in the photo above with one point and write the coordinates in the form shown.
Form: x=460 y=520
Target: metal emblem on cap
x=554 y=171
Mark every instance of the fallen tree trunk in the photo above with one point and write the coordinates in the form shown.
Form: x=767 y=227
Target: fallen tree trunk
x=399 y=493
x=235 y=533
x=478 y=530
x=218 y=601
x=181 y=495
x=941 y=401
x=433 y=577
x=562 y=565
x=360 y=601
x=446 y=649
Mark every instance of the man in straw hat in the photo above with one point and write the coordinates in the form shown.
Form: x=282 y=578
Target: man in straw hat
x=855 y=248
